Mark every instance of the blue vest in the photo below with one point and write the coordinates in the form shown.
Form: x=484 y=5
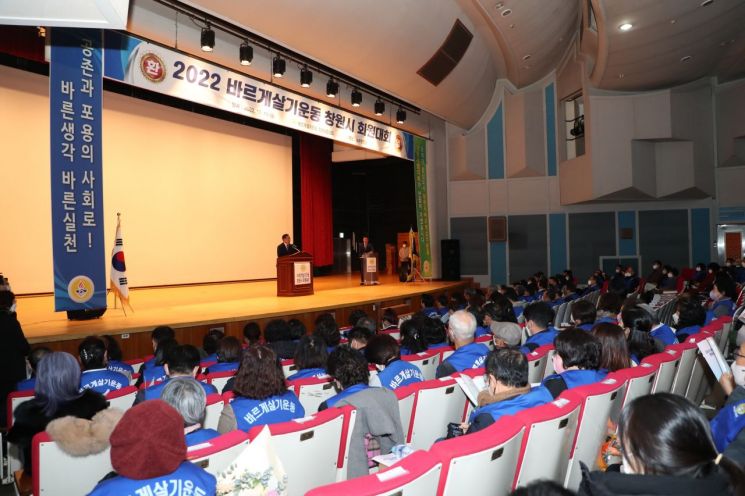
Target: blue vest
x=343 y=394
x=586 y=327
x=307 y=374
x=224 y=367
x=539 y=339
x=518 y=311
x=727 y=424
x=153 y=374
x=200 y=436
x=576 y=378
x=471 y=356
x=399 y=373
x=102 y=380
x=430 y=312
x=187 y=480
x=148 y=364
x=156 y=391
x=683 y=333
x=606 y=320
x=725 y=306
x=272 y=410
x=444 y=344
x=204 y=362
x=482 y=331
x=26 y=384
x=443 y=311
x=121 y=367
x=534 y=397
x=665 y=334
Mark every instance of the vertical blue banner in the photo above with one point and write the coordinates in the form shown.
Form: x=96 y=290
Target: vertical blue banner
x=75 y=96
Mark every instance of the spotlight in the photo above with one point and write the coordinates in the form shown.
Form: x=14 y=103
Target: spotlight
x=306 y=77
x=379 y=107
x=356 y=97
x=400 y=116
x=332 y=88
x=208 y=39
x=279 y=65
x=246 y=53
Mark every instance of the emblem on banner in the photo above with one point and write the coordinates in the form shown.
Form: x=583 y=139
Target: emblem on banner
x=80 y=289
x=152 y=67
x=399 y=142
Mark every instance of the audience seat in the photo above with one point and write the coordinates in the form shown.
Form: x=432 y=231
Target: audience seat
x=549 y=433
x=394 y=333
x=312 y=392
x=416 y=475
x=56 y=472
x=549 y=370
x=215 y=404
x=220 y=451
x=668 y=362
x=289 y=367
x=598 y=402
x=437 y=403
x=134 y=378
x=639 y=381
x=483 y=463
x=688 y=352
x=220 y=379
x=561 y=312
x=537 y=363
x=406 y=396
x=122 y=398
x=447 y=351
x=14 y=399
x=427 y=361
x=314 y=449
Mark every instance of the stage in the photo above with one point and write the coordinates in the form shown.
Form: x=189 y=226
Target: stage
x=197 y=307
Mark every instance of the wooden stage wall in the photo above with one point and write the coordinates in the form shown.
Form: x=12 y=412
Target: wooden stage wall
x=193 y=310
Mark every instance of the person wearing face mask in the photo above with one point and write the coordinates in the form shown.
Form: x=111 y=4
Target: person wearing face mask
x=728 y=425
x=637 y=324
x=618 y=281
x=668 y=449
x=690 y=317
x=630 y=279
x=592 y=285
x=669 y=281
x=722 y=296
x=507 y=391
x=538 y=319
x=383 y=352
x=655 y=277
x=739 y=272
x=576 y=363
x=13 y=349
x=708 y=281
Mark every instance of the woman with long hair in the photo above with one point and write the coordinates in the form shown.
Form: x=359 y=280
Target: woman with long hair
x=614 y=351
x=637 y=324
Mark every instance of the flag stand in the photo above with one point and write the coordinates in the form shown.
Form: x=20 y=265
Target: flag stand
x=118 y=279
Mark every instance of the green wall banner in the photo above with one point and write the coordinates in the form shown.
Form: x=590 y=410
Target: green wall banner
x=422 y=211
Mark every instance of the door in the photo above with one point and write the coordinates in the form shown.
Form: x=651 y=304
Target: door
x=733 y=245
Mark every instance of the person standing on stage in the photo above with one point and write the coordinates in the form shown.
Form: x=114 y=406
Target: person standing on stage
x=286 y=247
x=13 y=348
x=404 y=257
x=363 y=249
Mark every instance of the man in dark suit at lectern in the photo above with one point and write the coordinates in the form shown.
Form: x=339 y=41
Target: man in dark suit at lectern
x=364 y=248
x=286 y=247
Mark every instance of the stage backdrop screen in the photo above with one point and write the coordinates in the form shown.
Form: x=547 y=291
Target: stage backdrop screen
x=202 y=200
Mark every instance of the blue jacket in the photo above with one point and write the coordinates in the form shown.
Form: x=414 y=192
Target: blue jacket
x=482 y=331
x=723 y=307
x=586 y=327
x=488 y=414
x=102 y=380
x=307 y=374
x=572 y=379
x=430 y=312
x=204 y=362
x=341 y=395
x=153 y=374
x=26 y=384
x=187 y=480
x=539 y=339
x=200 y=436
x=470 y=356
x=272 y=410
x=155 y=391
x=399 y=373
x=665 y=334
x=121 y=367
x=607 y=320
x=683 y=333
x=727 y=424
x=223 y=367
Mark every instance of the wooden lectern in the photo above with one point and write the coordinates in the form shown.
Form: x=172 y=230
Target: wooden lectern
x=369 y=268
x=295 y=274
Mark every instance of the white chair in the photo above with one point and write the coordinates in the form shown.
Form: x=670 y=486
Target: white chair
x=123 y=398
x=406 y=396
x=549 y=363
x=220 y=451
x=214 y=408
x=220 y=379
x=438 y=402
x=597 y=402
x=312 y=392
x=688 y=352
x=312 y=449
x=639 y=381
x=416 y=475
x=483 y=463
x=56 y=472
x=548 y=437
x=288 y=367
x=667 y=362
x=427 y=361
x=537 y=360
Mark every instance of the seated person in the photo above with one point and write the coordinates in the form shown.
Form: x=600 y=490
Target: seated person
x=592 y=285
x=500 y=318
x=609 y=306
x=435 y=334
x=428 y=306
x=160 y=334
x=507 y=337
x=261 y=394
x=310 y=358
x=33 y=361
x=662 y=332
x=358 y=338
x=384 y=353
x=208 y=353
x=413 y=339
x=481 y=328
x=278 y=337
x=148 y=453
x=355 y=316
x=389 y=321
x=655 y=277
x=723 y=296
x=157 y=371
x=378 y=418
x=538 y=319
x=114 y=357
x=631 y=281
x=637 y=324
x=187 y=396
x=670 y=280
x=507 y=391
x=95 y=375
x=181 y=361
x=667 y=448
x=327 y=328
x=583 y=315
x=441 y=304
x=699 y=273
x=297 y=329
x=468 y=354
x=689 y=316
x=251 y=334
x=57 y=394
x=576 y=362
x=228 y=355
x=614 y=350
x=727 y=426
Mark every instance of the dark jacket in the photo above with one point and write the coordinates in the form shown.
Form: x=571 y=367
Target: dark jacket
x=618 y=484
x=13 y=351
x=30 y=419
x=283 y=251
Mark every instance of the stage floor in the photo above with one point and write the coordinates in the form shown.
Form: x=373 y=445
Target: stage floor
x=206 y=304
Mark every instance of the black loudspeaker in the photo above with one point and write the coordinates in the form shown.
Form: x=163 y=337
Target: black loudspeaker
x=450 y=253
x=85 y=314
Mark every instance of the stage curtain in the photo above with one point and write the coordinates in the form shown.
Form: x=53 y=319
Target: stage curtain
x=315 y=199
x=22 y=41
